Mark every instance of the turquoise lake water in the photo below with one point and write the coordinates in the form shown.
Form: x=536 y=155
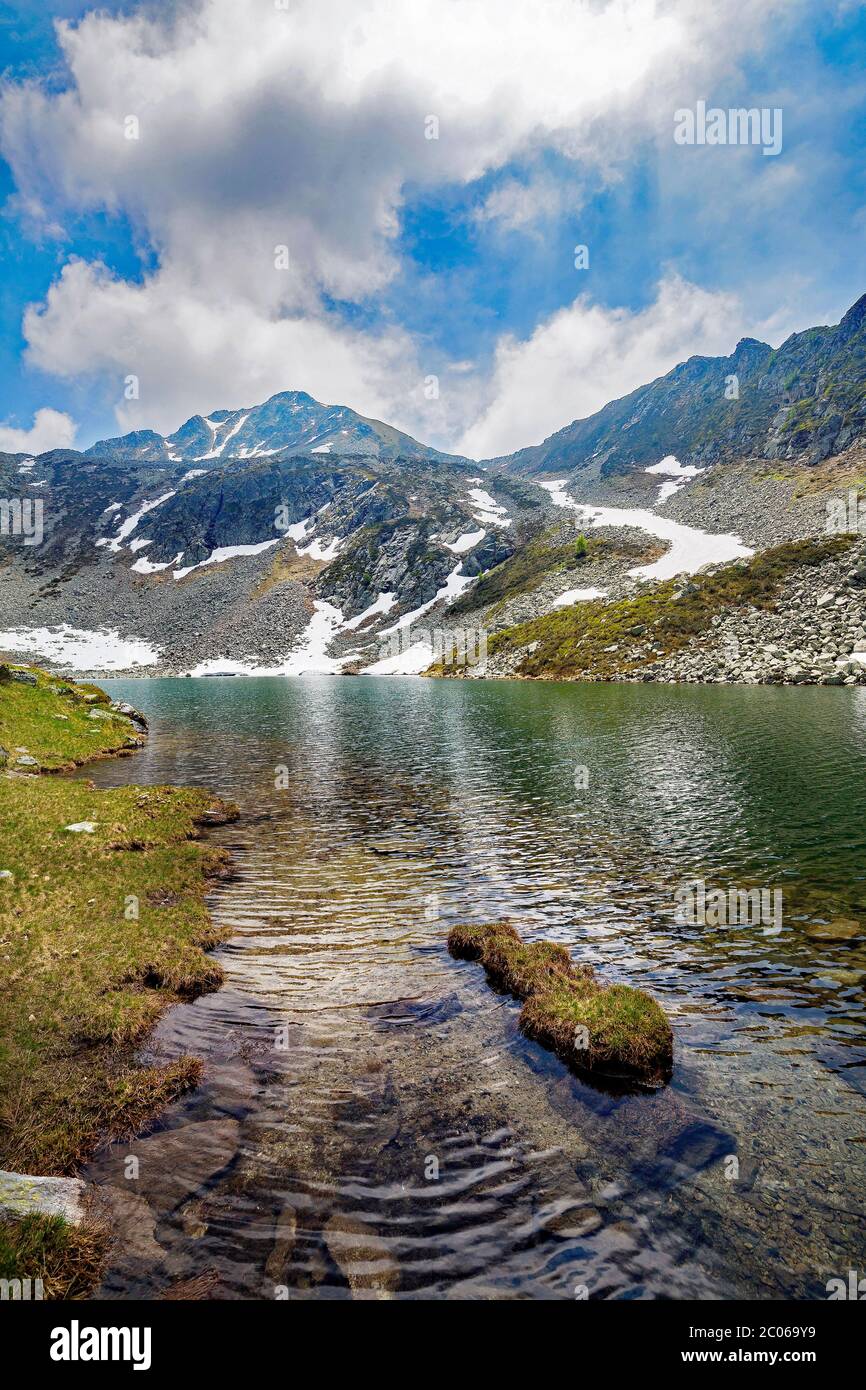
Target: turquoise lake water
x=357 y=1074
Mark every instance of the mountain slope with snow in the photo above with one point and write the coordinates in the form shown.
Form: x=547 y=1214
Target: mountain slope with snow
x=290 y=422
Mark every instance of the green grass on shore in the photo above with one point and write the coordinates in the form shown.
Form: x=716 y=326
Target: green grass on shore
x=57 y=722
x=67 y=1259
x=544 y=554
x=99 y=932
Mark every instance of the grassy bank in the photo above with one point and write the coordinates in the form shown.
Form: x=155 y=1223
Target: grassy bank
x=100 y=930
x=604 y=640
x=611 y=1031
x=48 y=725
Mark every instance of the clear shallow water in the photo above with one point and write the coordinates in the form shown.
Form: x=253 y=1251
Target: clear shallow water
x=350 y=1059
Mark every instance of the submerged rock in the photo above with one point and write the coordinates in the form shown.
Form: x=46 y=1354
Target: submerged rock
x=198 y=1287
x=132 y=1223
x=840 y=929
x=575 y=1223
x=362 y=1257
x=417 y=1012
x=286 y=1232
x=176 y=1163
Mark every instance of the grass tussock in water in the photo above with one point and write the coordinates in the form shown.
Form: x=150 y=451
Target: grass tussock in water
x=101 y=928
x=611 y=1030
x=604 y=640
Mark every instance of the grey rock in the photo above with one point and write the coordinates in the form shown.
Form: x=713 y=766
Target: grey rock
x=23 y=1195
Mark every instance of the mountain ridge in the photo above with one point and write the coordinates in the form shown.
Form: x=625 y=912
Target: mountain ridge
x=288 y=422
x=805 y=401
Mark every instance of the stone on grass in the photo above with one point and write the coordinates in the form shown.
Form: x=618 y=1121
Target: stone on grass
x=23 y=1195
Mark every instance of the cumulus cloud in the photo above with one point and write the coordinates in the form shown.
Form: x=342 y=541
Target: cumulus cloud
x=255 y=128
x=188 y=352
x=587 y=355
x=51 y=429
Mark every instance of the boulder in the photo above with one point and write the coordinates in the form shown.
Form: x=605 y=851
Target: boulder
x=23 y=1195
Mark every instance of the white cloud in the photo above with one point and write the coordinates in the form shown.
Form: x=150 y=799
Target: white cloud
x=51 y=429
x=586 y=355
x=260 y=127
x=191 y=354
x=517 y=205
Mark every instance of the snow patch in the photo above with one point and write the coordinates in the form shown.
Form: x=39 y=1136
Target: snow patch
x=309 y=657
x=673 y=469
x=489 y=509
x=467 y=541
x=226 y=552
x=690 y=549
x=451 y=589
x=131 y=522
x=317 y=551
x=578 y=596
x=81 y=648
x=409 y=663
x=145 y=566
x=384 y=603
x=298 y=530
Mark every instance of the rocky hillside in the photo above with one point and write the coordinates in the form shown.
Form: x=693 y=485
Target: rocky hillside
x=803 y=401
x=795 y=614
x=296 y=537
x=234 y=566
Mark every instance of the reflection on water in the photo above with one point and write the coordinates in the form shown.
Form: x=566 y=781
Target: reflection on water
x=372 y=1121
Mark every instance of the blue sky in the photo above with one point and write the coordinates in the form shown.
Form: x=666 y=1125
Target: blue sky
x=409 y=257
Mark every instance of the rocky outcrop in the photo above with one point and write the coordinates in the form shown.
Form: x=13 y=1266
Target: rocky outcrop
x=815 y=635
x=810 y=631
